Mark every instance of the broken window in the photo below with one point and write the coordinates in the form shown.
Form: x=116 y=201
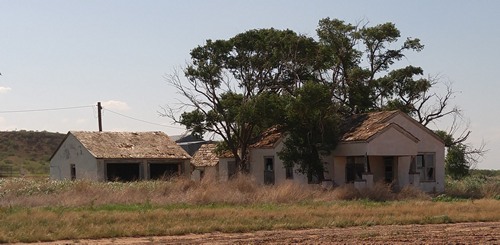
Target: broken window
x=354 y=168
x=122 y=171
x=426 y=166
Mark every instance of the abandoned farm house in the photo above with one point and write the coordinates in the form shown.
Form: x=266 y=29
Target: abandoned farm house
x=124 y=156
x=211 y=165
x=385 y=146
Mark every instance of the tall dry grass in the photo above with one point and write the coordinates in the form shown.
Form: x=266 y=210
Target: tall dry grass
x=240 y=190
x=44 y=210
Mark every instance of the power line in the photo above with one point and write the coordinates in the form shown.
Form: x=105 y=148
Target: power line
x=48 y=109
x=140 y=120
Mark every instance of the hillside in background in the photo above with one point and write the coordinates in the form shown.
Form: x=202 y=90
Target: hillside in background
x=25 y=153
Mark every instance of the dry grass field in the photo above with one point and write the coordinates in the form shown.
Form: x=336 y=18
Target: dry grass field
x=34 y=210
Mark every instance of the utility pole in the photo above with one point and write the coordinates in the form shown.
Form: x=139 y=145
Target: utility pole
x=99 y=115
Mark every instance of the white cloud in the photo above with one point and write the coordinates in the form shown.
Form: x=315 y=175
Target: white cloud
x=115 y=105
x=4 y=90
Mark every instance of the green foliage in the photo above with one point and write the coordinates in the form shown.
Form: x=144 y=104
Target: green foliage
x=235 y=84
x=455 y=163
x=361 y=59
x=474 y=187
x=264 y=77
x=312 y=126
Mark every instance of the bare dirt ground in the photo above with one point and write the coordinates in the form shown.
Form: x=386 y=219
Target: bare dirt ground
x=462 y=233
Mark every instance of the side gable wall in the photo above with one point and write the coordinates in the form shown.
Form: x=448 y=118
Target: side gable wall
x=71 y=151
x=391 y=142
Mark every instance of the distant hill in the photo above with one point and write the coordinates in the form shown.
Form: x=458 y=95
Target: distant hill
x=27 y=152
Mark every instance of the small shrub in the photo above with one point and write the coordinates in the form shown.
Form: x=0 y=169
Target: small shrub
x=380 y=192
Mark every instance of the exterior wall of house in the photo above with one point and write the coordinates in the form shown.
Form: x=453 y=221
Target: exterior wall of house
x=389 y=143
x=339 y=163
x=210 y=173
x=73 y=152
x=223 y=168
x=377 y=168
x=392 y=143
x=257 y=156
x=427 y=144
x=351 y=149
x=88 y=167
x=403 y=169
x=206 y=173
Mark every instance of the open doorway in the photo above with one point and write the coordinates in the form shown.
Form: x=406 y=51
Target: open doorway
x=269 y=170
x=163 y=170
x=122 y=171
x=388 y=169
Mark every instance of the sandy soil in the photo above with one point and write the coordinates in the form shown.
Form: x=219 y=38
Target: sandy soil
x=462 y=233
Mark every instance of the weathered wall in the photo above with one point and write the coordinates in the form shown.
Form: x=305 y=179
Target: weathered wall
x=73 y=152
x=257 y=156
x=428 y=143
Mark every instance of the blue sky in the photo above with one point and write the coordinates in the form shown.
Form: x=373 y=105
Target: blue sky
x=58 y=54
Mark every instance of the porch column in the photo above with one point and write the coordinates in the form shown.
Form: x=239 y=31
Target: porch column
x=367 y=176
x=413 y=173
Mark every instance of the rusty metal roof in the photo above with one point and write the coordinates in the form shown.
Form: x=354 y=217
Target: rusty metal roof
x=206 y=156
x=137 y=145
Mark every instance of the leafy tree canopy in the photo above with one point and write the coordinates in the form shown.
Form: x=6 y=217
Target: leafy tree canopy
x=238 y=87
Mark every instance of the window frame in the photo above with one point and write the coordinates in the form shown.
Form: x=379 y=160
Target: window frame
x=426 y=166
x=357 y=165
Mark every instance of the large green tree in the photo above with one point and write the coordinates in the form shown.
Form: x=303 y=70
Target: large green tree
x=311 y=126
x=232 y=86
x=360 y=64
x=238 y=87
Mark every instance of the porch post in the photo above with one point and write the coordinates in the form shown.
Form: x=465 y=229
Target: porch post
x=367 y=176
x=414 y=175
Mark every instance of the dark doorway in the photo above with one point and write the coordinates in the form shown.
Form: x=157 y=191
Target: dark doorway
x=231 y=169
x=122 y=171
x=269 y=170
x=73 y=171
x=163 y=170
x=354 y=168
x=388 y=169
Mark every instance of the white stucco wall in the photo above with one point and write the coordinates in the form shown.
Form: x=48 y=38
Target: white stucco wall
x=392 y=142
x=428 y=144
x=257 y=156
x=73 y=152
x=339 y=170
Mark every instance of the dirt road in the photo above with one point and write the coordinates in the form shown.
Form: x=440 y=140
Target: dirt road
x=462 y=233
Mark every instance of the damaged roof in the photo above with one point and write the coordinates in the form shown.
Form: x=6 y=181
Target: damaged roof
x=269 y=138
x=121 y=145
x=207 y=157
x=361 y=127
